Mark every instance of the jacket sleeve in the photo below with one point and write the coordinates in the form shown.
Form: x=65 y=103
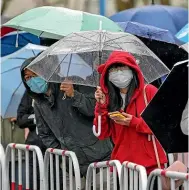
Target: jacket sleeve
x=25 y=109
x=106 y=130
x=84 y=100
x=44 y=132
x=138 y=122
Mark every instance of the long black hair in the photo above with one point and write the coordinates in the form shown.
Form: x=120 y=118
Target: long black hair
x=115 y=99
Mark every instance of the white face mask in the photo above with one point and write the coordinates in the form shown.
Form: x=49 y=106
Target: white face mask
x=121 y=78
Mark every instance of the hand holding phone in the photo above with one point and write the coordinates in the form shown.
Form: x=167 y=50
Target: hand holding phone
x=116 y=115
x=121 y=118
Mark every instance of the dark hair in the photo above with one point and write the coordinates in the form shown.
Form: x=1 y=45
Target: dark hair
x=115 y=100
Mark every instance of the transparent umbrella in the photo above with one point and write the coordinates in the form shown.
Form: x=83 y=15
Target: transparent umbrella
x=77 y=56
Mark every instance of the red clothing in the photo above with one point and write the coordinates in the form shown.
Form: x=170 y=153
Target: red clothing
x=5 y=30
x=131 y=143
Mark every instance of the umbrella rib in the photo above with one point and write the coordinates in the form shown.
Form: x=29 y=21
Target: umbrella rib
x=11 y=69
x=115 y=46
x=116 y=38
x=20 y=58
x=171 y=18
x=25 y=38
x=56 y=68
x=41 y=34
x=69 y=64
x=11 y=44
x=95 y=35
x=115 y=43
x=104 y=39
x=93 y=74
x=33 y=52
x=104 y=35
x=12 y=96
x=86 y=38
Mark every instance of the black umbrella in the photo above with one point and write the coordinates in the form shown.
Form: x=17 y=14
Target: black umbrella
x=164 y=112
x=169 y=53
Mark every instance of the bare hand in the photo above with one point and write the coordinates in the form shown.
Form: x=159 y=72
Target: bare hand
x=67 y=88
x=100 y=96
x=125 y=121
x=26 y=132
x=13 y=119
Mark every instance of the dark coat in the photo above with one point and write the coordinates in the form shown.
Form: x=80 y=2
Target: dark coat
x=25 y=109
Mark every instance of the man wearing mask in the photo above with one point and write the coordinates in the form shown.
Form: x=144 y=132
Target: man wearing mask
x=66 y=124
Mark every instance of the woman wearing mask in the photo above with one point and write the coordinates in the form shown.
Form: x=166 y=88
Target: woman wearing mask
x=122 y=89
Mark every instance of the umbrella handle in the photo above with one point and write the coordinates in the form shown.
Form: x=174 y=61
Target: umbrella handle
x=64 y=97
x=97 y=134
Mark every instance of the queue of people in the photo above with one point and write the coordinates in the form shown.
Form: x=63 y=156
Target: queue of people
x=66 y=123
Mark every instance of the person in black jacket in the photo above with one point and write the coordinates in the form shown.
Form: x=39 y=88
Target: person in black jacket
x=26 y=119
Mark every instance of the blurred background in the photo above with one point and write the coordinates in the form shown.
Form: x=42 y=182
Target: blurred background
x=11 y=8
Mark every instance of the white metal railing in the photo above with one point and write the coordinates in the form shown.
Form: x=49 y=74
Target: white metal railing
x=173 y=180
x=2 y=170
x=113 y=172
x=133 y=177
x=10 y=157
x=67 y=177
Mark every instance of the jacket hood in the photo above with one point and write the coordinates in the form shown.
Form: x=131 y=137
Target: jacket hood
x=22 y=68
x=118 y=57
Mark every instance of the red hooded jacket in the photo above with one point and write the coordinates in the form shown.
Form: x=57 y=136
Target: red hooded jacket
x=131 y=143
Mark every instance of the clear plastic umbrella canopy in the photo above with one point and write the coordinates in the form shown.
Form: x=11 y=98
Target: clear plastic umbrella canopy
x=77 y=56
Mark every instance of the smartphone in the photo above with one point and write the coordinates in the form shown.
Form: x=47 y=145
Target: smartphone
x=116 y=114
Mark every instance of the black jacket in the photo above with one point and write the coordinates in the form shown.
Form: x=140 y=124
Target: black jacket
x=25 y=109
x=67 y=124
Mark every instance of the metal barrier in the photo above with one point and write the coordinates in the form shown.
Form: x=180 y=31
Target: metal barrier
x=10 y=157
x=133 y=177
x=73 y=167
x=172 y=176
x=2 y=171
x=91 y=179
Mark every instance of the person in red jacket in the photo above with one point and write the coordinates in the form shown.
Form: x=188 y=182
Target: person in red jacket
x=122 y=89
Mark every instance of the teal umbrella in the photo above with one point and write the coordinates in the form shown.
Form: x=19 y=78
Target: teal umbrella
x=56 y=22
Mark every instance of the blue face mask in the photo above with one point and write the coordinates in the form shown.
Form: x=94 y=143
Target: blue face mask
x=37 y=85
